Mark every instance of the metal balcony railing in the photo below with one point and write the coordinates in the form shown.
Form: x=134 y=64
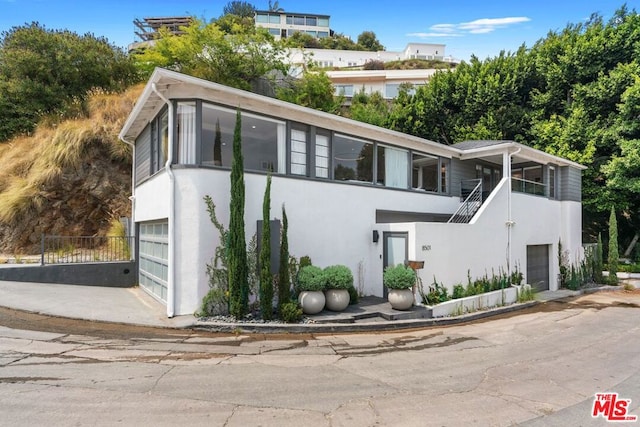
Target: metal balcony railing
x=528 y=187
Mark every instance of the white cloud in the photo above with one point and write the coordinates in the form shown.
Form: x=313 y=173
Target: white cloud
x=427 y=35
x=479 y=26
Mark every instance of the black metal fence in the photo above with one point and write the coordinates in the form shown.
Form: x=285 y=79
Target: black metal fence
x=85 y=249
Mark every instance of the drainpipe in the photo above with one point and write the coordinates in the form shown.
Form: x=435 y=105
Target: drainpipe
x=132 y=198
x=133 y=179
x=171 y=219
x=510 y=222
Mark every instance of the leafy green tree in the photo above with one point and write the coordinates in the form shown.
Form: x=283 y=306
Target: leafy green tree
x=313 y=90
x=575 y=93
x=338 y=41
x=266 y=278
x=613 y=248
x=237 y=257
x=373 y=109
x=239 y=8
x=240 y=60
x=368 y=40
x=300 y=39
x=234 y=24
x=46 y=71
x=284 y=278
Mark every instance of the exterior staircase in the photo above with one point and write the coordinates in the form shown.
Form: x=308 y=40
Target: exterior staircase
x=471 y=191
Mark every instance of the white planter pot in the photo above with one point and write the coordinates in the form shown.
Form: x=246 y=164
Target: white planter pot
x=337 y=299
x=400 y=299
x=312 y=302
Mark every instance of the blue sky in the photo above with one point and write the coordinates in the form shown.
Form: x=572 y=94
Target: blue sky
x=467 y=27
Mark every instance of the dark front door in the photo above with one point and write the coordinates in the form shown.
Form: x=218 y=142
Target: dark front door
x=538 y=267
x=395 y=250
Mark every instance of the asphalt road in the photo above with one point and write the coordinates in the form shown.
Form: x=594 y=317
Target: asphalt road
x=537 y=368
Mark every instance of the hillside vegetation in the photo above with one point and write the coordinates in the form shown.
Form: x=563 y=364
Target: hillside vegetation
x=69 y=178
x=574 y=93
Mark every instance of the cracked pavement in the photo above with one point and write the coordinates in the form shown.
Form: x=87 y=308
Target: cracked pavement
x=539 y=367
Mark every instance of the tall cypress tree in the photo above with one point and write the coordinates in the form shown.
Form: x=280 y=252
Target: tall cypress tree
x=284 y=280
x=613 y=248
x=238 y=275
x=266 y=278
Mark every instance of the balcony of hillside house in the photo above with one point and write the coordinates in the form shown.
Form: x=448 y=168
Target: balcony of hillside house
x=519 y=185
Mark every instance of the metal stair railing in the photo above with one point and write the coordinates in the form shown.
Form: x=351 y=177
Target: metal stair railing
x=469 y=207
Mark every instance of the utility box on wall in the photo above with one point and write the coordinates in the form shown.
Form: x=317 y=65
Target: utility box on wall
x=275 y=244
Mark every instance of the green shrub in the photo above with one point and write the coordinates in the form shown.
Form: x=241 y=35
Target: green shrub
x=353 y=295
x=305 y=261
x=337 y=277
x=215 y=302
x=399 y=277
x=437 y=293
x=629 y=268
x=458 y=291
x=525 y=294
x=310 y=278
x=290 y=312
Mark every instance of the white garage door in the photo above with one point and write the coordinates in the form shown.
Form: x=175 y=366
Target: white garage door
x=154 y=256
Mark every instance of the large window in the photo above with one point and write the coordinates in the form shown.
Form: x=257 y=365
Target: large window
x=143 y=155
x=425 y=171
x=263 y=140
x=152 y=146
x=268 y=18
x=322 y=156
x=393 y=167
x=344 y=90
x=298 y=152
x=352 y=159
x=187 y=133
x=204 y=134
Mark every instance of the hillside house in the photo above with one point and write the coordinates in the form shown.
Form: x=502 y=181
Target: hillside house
x=355 y=194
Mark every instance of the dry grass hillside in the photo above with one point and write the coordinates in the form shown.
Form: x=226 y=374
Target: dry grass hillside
x=71 y=178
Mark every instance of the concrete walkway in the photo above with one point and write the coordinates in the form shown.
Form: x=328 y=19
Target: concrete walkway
x=117 y=305
x=135 y=307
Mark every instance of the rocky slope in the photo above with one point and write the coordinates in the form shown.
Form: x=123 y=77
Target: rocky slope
x=71 y=178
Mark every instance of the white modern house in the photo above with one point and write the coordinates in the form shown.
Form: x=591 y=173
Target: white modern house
x=345 y=67
x=386 y=82
x=285 y=24
x=355 y=194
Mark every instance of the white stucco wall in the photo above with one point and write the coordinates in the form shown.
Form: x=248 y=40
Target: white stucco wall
x=333 y=223
x=451 y=250
x=330 y=222
x=152 y=199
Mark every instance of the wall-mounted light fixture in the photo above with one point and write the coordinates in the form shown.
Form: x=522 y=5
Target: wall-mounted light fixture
x=376 y=236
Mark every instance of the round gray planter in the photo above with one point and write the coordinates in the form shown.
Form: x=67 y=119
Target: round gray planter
x=337 y=299
x=400 y=299
x=312 y=302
